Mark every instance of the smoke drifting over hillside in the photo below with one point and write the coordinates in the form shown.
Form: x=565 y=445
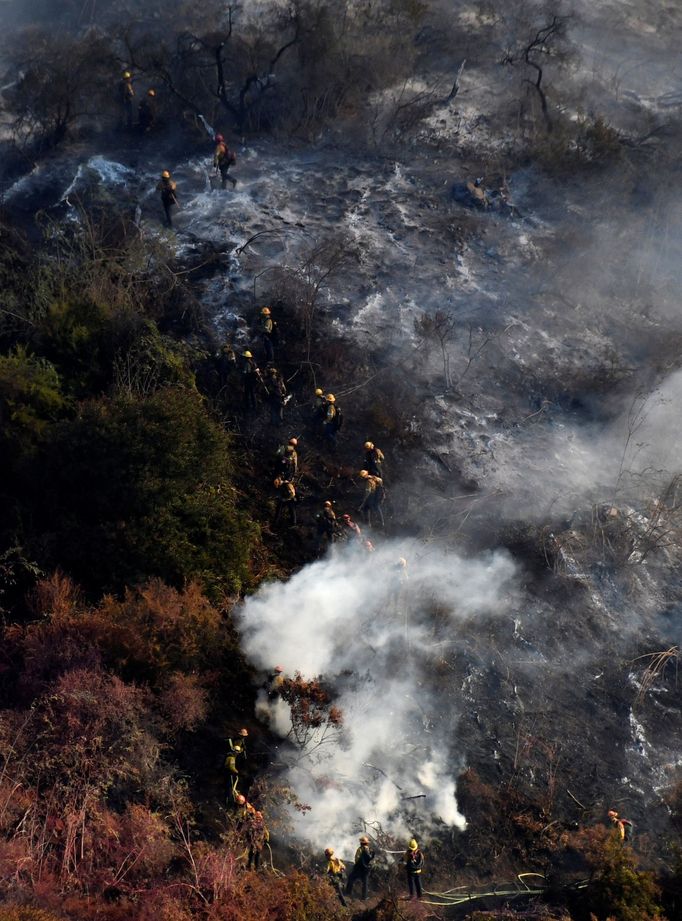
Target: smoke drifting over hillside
x=357 y=620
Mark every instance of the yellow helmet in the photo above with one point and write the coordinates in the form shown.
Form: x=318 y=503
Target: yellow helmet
x=319 y=392
x=330 y=398
x=243 y=732
x=369 y=446
x=413 y=846
x=293 y=442
x=265 y=311
x=327 y=504
x=127 y=75
x=364 y=474
x=151 y=92
x=248 y=354
x=165 y=174
x=329 y=852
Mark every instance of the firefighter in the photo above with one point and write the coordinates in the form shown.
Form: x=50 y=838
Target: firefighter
x=327 y=526
x=268 y=333
x=401 y=571
x=127 y=93
x=332 y=420
x=146 y=111
x=227 y=362
x=335 y=873
x=374 y=458
x=286 y=500
x=624 y=827
x=288 y=464
x=361 y=868
x=319 y=406
x=277 y=395
x=245 y=810
x=169 y=196
x=236 y=749
x=251 y=377
x=478 y=194
x=257 y=836
x=414 y=863
x=241 y=807
x=350 y=529
x=373 y=498
x=275 y=682
x=223 y=159
x=286 y=460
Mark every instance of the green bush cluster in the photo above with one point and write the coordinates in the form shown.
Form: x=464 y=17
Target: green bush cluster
x=111 y=464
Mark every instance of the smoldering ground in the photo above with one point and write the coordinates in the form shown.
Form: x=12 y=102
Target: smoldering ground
x=363 y=623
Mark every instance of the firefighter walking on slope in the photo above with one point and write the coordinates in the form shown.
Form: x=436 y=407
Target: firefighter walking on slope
x=223 y=159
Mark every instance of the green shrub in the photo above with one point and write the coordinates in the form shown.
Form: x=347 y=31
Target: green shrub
x=142 y=487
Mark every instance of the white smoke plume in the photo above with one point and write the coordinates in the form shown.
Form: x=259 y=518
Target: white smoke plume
x=362 y=622
x=558 y=466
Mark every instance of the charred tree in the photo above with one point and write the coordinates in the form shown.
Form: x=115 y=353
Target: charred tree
x=542 y=43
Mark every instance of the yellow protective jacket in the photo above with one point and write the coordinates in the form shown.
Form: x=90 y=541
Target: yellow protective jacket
x=414 y=861
x=167 y=187
x=372 y=483
x=220 y=154
x=335 y=867
x=286 y=492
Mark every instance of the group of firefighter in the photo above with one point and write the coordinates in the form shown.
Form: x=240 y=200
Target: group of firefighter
x=146 y=109
x=252 y=830
x=325 y=422
x=249 y=821
x=223 y=157
x=324 y=410
x=251 y=827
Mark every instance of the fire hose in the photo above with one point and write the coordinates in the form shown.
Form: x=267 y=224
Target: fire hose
x=458 y=897
x=452 y=897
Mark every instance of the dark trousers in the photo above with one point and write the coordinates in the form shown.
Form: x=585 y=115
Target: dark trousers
x=268 y=348
x=250 y=394
x=276 y=412
x=225 y=176
x=373 y=505
x=358 y=873
x=337 y=883
x=254 y=858
x=290 y=507
x=167 y=208
x=128 y=112
x=414 y=883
